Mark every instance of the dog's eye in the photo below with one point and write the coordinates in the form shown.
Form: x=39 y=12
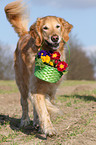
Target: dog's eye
x=45 y=28
x=58 y=26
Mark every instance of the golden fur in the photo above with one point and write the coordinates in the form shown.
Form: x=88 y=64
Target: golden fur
x=48 y=30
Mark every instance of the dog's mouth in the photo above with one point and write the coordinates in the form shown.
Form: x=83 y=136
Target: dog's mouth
x=54 y=45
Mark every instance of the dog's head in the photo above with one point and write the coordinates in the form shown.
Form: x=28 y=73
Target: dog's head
x=51 y=30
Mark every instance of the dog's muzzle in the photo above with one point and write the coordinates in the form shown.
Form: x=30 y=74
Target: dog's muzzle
x=53 y=42
x=54 y=45
x=55 y=38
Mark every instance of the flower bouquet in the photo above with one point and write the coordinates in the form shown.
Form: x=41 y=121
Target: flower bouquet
x=49 y=67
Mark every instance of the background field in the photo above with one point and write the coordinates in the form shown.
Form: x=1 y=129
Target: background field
x=77 y=125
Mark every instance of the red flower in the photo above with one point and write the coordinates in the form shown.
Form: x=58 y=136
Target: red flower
x=55 y=55
x=56 y=61
x=61 y=66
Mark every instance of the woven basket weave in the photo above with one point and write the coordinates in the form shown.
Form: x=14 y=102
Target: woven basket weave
x=48 y=73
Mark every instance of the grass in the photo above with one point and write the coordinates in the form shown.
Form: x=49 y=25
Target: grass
x=8 y=87
x=76 y=82
x=74 y=131
x=13 y=87
x=69 y=104
x=9 y=137
x=79 y=116
x=7 y=83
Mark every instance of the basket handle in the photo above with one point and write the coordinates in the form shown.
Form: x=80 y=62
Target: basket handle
x=68 y=50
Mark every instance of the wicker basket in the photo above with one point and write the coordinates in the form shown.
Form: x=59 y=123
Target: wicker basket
x=48 y=73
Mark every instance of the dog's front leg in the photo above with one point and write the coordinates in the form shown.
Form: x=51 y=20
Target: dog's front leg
x=44 y=118
x=25 y=120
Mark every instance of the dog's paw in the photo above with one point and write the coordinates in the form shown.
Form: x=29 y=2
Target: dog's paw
x=25 y=122
x=36 y=126
x=50 y=131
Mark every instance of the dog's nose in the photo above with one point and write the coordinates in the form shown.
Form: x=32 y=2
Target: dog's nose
x=55 y=38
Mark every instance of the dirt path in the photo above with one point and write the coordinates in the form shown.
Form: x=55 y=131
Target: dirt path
x=77 y=125
x=75 y=89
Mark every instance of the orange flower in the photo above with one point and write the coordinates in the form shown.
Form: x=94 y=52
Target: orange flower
x=51 y=63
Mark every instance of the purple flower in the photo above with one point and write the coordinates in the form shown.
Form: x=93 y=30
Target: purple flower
x=42 y=53
x=49 y=53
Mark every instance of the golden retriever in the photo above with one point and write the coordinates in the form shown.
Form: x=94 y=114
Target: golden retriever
x=48 y=30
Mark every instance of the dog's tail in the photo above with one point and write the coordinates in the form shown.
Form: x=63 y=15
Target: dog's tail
x=17 y=15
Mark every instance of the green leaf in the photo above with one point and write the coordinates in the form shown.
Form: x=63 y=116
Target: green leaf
x=38 y=62
x=65 y=72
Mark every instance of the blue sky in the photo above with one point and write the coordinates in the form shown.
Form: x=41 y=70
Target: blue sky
x=80 y=13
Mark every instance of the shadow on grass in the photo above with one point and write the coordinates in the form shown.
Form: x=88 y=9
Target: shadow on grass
x=83 y=97
x=15 y=123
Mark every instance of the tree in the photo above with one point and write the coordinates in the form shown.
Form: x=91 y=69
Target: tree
x=6 y=63
x=80 y=66
x=93 y=61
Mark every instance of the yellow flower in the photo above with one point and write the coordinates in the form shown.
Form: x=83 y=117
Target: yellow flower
x=61 y=66
x=47 y=59
x=54 y=55
x=51 y=63
x=43 y=58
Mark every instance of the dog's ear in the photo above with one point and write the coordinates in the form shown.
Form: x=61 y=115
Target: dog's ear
x=65 y=29
x=36 y=32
